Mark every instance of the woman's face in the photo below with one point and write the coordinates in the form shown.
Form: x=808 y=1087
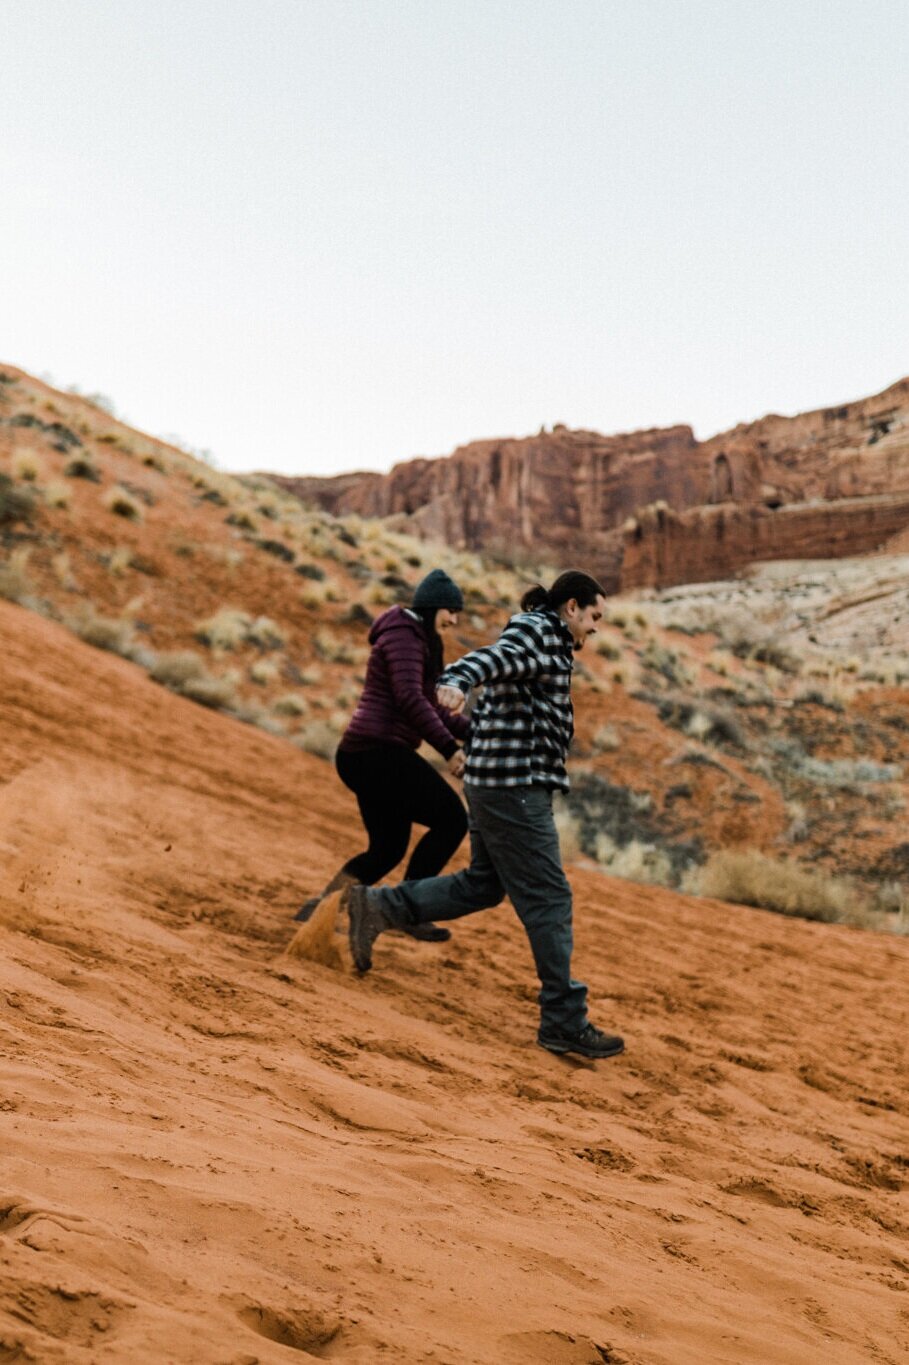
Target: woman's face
x=445 y=619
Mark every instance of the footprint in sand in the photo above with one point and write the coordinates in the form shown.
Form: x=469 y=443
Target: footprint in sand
x=302 y=1329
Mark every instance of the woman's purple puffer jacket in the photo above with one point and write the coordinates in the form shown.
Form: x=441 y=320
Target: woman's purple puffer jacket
x=398 y=704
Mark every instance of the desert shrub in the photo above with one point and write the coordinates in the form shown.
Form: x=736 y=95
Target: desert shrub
x=152 y=460
x=814 y=696
x=63 y=572
x=104 y=632
x=230 y=628
x=264 y=671
x=227 y=629
x=314 y=595
x=27 y=466
x=605 y=740
x=378 y=595
x=82 y=466
x=706 y=723
x=749 y=639
x=218 y=693
x=241 y=519
x=606 y=649
x=265 y=633
x=122 y=503
x=291 y=704
x=666 y=662
x=319 y=737
x=892 y=898
x=56 y=494
x=278 y=549
x=747 y=877
x=635 y=861
x=331 y=648
x=16 y=504
x=15 y=583
x=837 y=772
x=312 y=571
x=118 y=560
x=183 y=671
x=174 y=669
x=309 y=677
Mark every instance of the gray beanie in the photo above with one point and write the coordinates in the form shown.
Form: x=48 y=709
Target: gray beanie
x=438 y=590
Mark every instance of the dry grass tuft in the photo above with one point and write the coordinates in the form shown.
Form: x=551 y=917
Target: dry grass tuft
x=56 y=494
x=747 y=877
x=230 y=628
x=63 y=572
x=319 y=737
x=264 y=671
x=27 y=466
x=104 y=632
x=218 y=693
x=291 y=704
x=177 y=668
x=15 y=583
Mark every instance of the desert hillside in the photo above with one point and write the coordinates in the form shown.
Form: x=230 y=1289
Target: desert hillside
x=764 y=715
x=218 y=1153
x=215 y=1153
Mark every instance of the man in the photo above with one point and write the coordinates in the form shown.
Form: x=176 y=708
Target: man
x=521 y=728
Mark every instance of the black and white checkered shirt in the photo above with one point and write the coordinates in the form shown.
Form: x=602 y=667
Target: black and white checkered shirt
x=523 y=722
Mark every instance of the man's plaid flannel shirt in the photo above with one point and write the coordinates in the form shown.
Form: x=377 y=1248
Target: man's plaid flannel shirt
x=523 y=722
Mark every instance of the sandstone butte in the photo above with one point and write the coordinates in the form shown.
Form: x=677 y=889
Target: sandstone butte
x=655 y=508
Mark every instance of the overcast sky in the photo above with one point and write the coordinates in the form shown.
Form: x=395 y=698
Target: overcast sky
x=316 y=235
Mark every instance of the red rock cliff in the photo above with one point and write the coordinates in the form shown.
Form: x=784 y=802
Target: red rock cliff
x=567 y=494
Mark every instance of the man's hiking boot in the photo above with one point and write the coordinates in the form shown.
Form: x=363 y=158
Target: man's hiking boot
x=367 y=921
x=427 y=933
x=309 y=908
x=589 y=1042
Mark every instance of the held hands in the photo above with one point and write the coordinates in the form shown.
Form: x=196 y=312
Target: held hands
x=456 y=763
x=452 y=698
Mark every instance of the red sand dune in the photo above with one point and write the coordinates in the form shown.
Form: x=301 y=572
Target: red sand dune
x=214 y=1153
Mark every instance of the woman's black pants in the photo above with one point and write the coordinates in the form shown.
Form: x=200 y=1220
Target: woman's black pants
x=396 y=789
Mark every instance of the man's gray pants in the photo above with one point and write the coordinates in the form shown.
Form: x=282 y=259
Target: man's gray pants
x=514 y=852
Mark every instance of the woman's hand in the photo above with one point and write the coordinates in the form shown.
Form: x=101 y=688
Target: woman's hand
x=452 y=698
x=456 y=763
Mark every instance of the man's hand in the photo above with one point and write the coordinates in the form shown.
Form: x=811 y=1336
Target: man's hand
x=452 y=698
x=456 y=763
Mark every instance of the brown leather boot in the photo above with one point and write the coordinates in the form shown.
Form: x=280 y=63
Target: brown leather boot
x=338 y=882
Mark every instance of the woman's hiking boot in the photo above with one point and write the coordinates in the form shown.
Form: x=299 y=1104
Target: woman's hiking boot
x=427 y=933
x=337 y=883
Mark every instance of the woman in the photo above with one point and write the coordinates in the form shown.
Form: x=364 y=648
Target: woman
x=377 y=757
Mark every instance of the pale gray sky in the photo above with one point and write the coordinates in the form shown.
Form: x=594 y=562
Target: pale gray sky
x=315 y=235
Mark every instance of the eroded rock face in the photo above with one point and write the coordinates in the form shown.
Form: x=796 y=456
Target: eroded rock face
x=573 y=495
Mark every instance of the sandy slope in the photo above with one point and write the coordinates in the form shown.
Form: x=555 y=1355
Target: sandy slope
x=211 y=1153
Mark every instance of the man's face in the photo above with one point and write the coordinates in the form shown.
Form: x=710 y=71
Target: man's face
x=583 y=621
